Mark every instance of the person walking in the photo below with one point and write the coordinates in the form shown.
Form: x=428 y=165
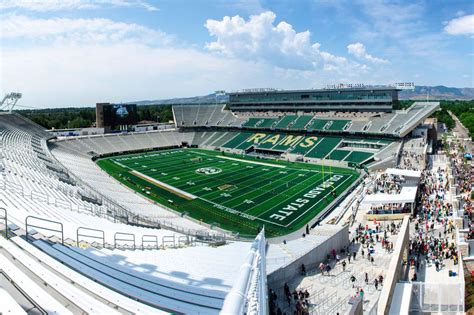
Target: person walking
x=328 y=269
x=353 y=280
x=366 y=278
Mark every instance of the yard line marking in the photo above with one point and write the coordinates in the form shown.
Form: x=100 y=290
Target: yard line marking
x=350 y=176
x=250 y=162
x=240 y=213
x=240 y=185
x=268 y=181
x=320 y=180
x=288 y=197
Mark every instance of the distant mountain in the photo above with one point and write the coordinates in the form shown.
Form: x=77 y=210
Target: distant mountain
x=206 y=99
x=439 y=92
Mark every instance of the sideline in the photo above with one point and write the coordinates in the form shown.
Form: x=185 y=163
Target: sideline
x=165 y=186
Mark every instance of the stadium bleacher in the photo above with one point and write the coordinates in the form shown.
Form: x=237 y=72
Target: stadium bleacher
x=32 y=193
x=354 y=150
x=252 y=122
x=44 y=180
x=396 y=123
x=301 y=122
x=324 y=147
x=285 y=121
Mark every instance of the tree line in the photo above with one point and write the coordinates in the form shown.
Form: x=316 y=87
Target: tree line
x=62 y=118
x=464 y=110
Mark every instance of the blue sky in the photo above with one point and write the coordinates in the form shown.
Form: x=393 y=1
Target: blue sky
x=76 y=53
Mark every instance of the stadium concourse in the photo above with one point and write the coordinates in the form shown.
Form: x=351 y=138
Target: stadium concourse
x=232 y=211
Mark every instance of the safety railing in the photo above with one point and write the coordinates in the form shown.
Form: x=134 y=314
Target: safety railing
x=146 y=239
x=28 y=226
x=182 y=239
x=122 y=214
x=169 y=239
x=89 y=236
x=118 y=237
x=4 y=217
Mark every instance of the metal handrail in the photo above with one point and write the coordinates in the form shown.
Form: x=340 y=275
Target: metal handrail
x=90 y=236
x=124 y=239
x=120 y=211
x=43 y=228
x=155 y=237
x=164 y=240
x=5 y=218
x=180 y=240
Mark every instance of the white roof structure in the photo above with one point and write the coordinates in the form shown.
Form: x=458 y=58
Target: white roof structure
x=405 y=173
x=406 y=195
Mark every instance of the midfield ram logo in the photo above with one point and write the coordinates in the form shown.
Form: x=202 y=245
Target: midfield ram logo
x=208 y=170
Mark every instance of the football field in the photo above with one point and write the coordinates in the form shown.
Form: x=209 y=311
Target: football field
x=236 y=193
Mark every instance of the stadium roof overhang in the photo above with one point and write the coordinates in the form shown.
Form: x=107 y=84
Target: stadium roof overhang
x=431 y=107
x=327 y=90
x=405 y=173
x=406 y=195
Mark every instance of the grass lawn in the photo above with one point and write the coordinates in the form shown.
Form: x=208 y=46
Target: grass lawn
x=236 y=193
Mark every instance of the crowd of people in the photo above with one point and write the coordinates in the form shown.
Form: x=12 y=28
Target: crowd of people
x=432 y=239
x=390 y=208
x=410 y=160
x=432 y=242
x=296 y=299
x=385 y=183
x=464 y=173
x=411 y=157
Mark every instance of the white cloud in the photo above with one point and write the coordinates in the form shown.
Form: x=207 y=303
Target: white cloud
x=463 y=25
x=78 y=62
x=258 y=38
x=70 y=75
x=359 y=51
x=60 y=5
x=78 y=30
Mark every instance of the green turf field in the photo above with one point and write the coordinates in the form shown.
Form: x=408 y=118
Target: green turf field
x=236 y=193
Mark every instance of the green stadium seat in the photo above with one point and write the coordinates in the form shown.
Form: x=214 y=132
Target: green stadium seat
x=301 y=122
x=358 y=157
x=285 y=121
x=338 y=155
x=270 y=141
x=252 y=122
x=266 y=122
x=338 y=125
x=237 y=140
x=324 y=147
x=318 y=124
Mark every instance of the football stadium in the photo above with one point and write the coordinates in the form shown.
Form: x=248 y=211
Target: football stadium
x=274 y=202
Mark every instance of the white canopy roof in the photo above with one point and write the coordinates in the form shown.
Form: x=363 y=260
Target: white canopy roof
x=407 y=194
x=400 y=172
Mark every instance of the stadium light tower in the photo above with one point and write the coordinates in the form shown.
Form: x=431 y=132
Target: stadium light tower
x=9 y=101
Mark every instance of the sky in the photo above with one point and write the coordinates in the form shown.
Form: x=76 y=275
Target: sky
x=62 y=53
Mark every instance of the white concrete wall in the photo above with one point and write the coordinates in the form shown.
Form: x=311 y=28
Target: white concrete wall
x=286 y=273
